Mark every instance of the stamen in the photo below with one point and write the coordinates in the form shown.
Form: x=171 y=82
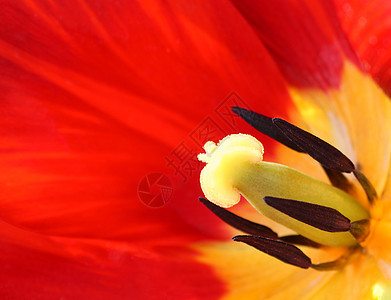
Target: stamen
x=321 y=217
x=367 y=186
x=278 y=249
x=338 y=180
x=327 y=155
x=302 y=141
x=265 y=125
x=299 y=240
x=238 y=222
x=297 y=139
x=336 y=264
x=360 y=229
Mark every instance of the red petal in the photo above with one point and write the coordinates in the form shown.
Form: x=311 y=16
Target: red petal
x=96 y=99
x=304 y=38
x=368 y=26
x=37 y=267
x=95 y=96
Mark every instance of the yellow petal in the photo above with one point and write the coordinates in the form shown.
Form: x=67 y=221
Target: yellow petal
x=250 y=274
x=362 y=279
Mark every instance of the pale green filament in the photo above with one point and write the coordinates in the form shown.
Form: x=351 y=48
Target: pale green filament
x=234 y=166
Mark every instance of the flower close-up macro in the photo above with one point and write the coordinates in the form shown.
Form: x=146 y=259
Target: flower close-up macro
x=105 y=106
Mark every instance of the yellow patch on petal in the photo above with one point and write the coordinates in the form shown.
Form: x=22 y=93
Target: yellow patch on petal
x=355 y=118
x=378 y=244
x=250 y=274
x=362 y=279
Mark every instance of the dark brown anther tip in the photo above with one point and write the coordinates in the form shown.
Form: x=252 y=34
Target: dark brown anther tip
x=278 y=249
x=265 y=125
x=321 y=217
x=326 y=154
x=239 y=222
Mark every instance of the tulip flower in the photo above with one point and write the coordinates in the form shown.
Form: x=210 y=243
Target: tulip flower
x=96 y=98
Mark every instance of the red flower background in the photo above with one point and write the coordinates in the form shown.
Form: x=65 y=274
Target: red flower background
x=94 y=96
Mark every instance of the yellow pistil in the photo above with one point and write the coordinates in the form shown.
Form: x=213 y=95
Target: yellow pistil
x=235 y=167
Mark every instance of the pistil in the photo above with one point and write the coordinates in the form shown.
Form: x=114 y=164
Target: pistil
x=320 y=213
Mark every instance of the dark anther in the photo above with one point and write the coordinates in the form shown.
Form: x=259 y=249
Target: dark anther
x=299 y=240
x=297 y=139
x=321 y=217
x=360 y=230
x=367 y=186
x=238 y=222
x=278 y=249
x=327 y=155
x=338 y=180
x=265 y=125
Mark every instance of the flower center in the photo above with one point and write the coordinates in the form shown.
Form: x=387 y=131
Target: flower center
x=321 y=214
